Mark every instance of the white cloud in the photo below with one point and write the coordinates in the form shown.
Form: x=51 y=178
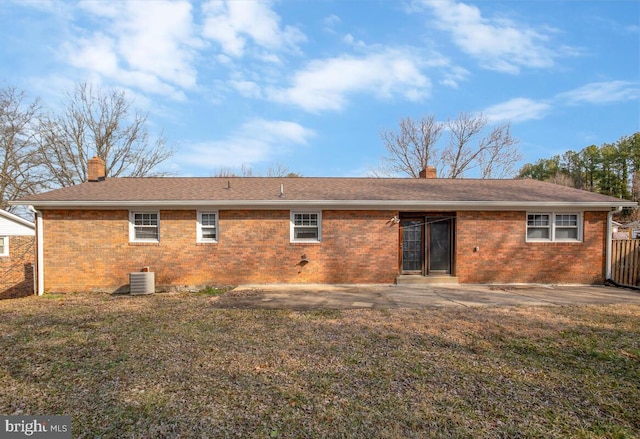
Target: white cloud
x=454 y=76
x=602 y=93
x=248 y=89
x=276 y=131
x=234 y=24
x=499 y=44
x=157 y=38
x=102 y=9
x=256 y=141
x=326 y=84
x=95 y=53
x=97 y=56
x=331 y=21
x=351 y=41
x=148 y=45
x=523 y=109
x=517 y=110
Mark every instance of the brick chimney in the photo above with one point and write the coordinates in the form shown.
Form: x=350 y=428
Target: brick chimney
x=429 y=172
x=97 y=169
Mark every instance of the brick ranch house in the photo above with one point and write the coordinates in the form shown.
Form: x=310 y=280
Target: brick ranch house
x=194 y=232
x=17 y=256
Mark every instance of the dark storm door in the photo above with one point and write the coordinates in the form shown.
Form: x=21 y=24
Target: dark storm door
x=412 y=246
x=439 y=246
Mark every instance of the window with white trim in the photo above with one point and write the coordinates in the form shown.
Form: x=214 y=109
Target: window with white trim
x=554 y=227
x=306 y=226
x=538 y=227
x=566 y=227
x=144 y=226
x=4 y=246
x=208 y=226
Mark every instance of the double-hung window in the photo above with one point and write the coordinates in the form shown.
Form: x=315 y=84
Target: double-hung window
x=144 y=226
x=306 y=226
x=538 y=227
x=554 y=227
x=207 y=226
x=566 y=227
x=4 y=246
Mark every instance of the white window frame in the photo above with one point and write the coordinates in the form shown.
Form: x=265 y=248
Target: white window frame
x=132 y=225
x=294 y=226
x=201 y=237
x=547 y=227
x=4 y=248
x=554 y=226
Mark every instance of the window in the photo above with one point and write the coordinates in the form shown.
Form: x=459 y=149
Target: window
x=4 y=246
x=538 y=226
x=207 y=227
x=306 y=226
x=144 y=226
x=561 y=227
x=566 y=227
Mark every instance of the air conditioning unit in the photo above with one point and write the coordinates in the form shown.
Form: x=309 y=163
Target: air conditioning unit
x=142 y=282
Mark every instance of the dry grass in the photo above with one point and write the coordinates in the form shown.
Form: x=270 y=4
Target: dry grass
x=176 y=366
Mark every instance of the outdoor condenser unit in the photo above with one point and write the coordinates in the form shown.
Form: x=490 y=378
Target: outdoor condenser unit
x=142 y=282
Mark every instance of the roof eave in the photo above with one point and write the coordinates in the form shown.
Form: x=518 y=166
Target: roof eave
x=17 y=219
x=329 y=204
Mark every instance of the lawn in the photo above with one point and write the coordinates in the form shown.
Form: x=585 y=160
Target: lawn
x=174 y=365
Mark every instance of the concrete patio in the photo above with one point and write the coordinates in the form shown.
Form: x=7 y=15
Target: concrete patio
x=301 y=297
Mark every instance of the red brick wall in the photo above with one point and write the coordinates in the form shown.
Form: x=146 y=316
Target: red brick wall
x=17 y=269
x=504 y=256
x=90 y=250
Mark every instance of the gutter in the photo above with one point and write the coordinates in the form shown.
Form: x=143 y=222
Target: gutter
x=39 y=282
x=609 y=249
x=402 y=205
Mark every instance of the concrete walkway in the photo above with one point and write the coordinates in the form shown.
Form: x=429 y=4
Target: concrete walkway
x=303 y=297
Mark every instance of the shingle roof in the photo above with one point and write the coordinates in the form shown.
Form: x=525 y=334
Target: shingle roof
x=304 y=190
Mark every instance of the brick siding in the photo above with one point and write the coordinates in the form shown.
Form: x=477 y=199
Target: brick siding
x=90 y=250
x=504 y=256
x=17 y=269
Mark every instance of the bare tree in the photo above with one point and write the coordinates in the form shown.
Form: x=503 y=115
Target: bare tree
x=19 y=168
x=224 y=172
x=280 y=170
x=500 y=154
x=95 y=123
x=245 y=171
x=495 y=154
x=414 y=147
x=276 y=170
x=459 y=155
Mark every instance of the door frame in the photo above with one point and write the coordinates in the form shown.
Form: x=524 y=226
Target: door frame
x=427 y=218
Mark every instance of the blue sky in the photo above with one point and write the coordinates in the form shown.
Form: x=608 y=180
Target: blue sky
x=311 y=84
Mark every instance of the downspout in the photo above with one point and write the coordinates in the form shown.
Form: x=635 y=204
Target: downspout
x=610 y=242
x=39 y=285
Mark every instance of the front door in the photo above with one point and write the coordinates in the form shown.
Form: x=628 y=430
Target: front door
x=427 y=244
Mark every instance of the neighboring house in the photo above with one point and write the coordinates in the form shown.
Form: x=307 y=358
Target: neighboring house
x=194 y=232
x=17 y=256
x=618 y=231
x=632 y=230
